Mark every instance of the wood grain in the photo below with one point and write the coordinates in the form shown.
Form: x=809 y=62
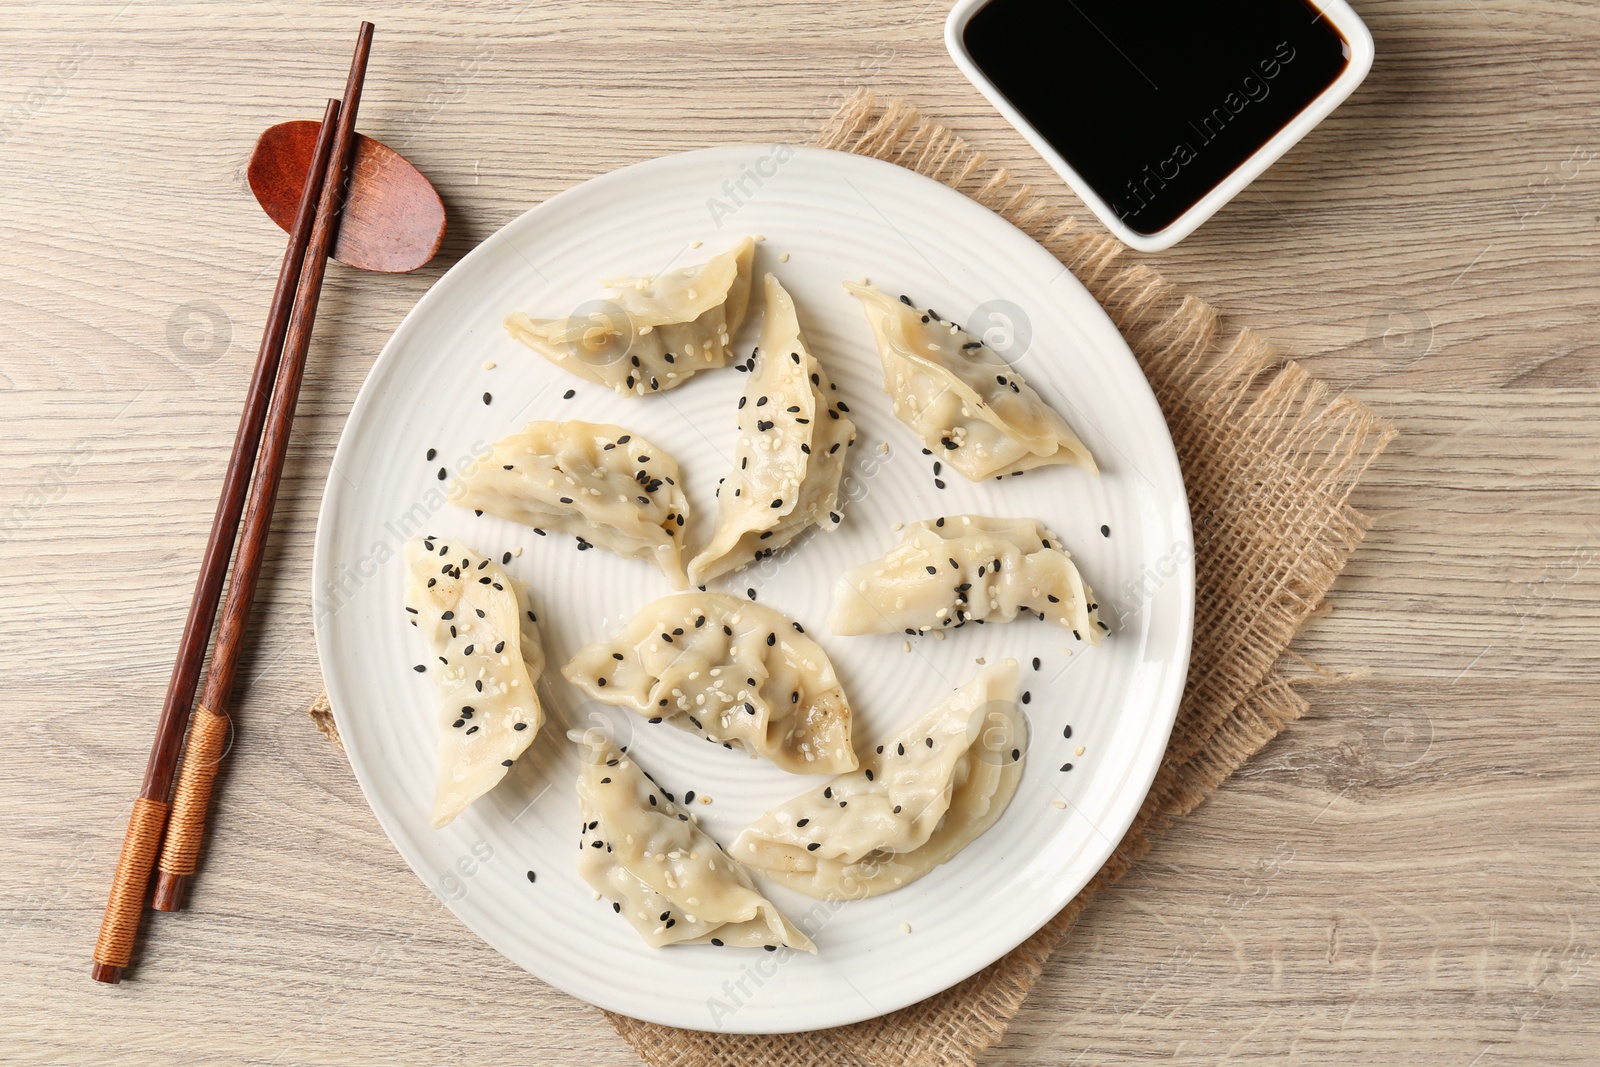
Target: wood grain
x=1408 y=875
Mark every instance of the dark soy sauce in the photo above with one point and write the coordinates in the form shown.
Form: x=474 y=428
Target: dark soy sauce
x=1155 y=102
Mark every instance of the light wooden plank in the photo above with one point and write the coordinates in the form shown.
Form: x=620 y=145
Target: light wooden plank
x=1407 y=876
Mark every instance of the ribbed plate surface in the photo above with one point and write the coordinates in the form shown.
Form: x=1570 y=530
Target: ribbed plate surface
x=836 y=216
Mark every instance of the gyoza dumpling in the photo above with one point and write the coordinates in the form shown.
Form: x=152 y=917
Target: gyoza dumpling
x=729 y=670
x=921 y=798
x=648 y=334
x=966 y=403
x=790 y=454
x=661 y=872
x=947 y=572
x=485 y=658
x=600 y=483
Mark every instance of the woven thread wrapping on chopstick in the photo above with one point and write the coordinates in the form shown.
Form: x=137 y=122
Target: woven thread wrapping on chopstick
x=208 y=736
x=120 y=927
x=1269 y=461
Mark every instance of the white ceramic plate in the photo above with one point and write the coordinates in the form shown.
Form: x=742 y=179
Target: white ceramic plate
x=835 y=216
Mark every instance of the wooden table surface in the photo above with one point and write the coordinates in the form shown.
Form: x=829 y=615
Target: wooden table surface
x=1408 y=875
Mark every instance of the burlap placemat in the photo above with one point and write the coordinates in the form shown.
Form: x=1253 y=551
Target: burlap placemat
x=1269 y=460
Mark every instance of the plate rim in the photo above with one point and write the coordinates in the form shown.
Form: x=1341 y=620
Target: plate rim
x=1166 y=707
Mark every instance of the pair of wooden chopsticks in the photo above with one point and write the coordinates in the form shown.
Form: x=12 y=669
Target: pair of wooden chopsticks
x=177 y=828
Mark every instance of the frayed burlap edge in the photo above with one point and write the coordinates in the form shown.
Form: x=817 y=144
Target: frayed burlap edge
x=1269 y=461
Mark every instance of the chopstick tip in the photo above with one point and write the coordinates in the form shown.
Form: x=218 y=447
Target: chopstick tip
x=105 y=972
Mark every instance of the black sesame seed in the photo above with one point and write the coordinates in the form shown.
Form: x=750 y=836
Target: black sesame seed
x=1016 y=754
x=443 y=474
x=1066 y=766
x=717 y=941
x=616 y=907
x=432 y=452
x=1105 y=531
x=1027 y=698
x=751 y=593
x=505 y=763
x=813 y=846
x=901 y=749
x=487 y=397
x=600 y=682
x=688 y=798
x=421 y=668
x=772 y=639
x=938 y=483
x=1036 y=663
